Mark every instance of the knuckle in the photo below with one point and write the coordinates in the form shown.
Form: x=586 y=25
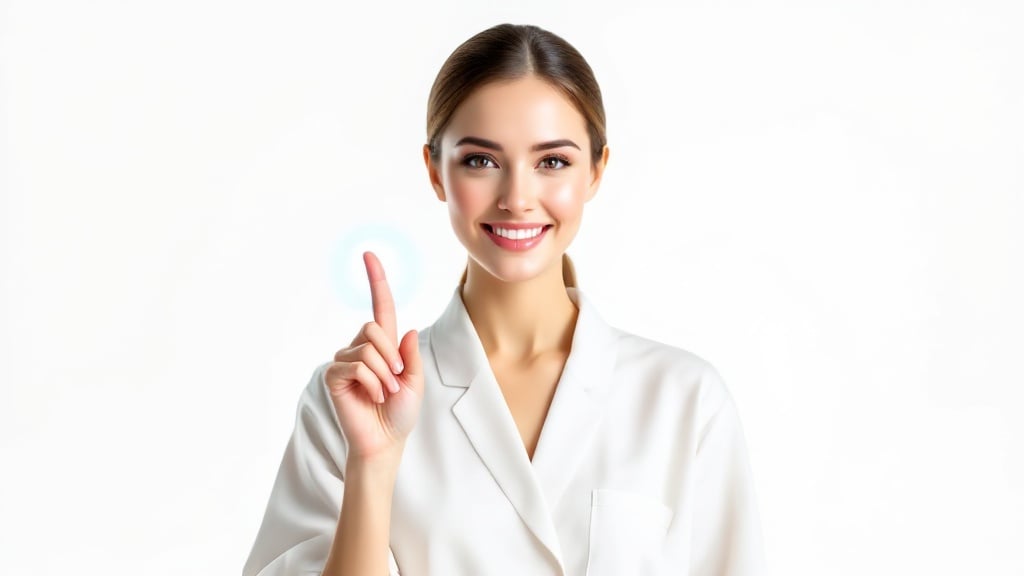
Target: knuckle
x=355 y=370
x=366 y=353
x=367 y=376
x=337 y=374
x=345 y=370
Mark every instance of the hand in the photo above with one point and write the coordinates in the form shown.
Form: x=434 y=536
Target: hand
x=377 y=404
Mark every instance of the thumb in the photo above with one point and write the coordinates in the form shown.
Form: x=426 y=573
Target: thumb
x=409 y=349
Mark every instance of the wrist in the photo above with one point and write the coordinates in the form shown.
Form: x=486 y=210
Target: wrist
x=378 y=468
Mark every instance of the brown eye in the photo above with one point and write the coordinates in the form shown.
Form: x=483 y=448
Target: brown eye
x=477 y=161
x=554 y=162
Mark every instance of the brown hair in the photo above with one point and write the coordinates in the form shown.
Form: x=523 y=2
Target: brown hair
x=508 y=52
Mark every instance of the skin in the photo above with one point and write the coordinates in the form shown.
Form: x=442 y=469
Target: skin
x=376 y=385
x=517 y=301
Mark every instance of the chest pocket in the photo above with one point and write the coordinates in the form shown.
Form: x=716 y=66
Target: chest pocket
x=627 y=531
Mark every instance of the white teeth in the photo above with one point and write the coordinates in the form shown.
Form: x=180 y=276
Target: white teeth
x=518 y=234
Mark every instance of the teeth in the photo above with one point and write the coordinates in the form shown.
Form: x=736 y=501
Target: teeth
x=518 y=234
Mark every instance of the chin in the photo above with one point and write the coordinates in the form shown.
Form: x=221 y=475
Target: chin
x=513 y=270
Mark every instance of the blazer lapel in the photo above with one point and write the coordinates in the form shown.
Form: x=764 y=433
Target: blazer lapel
x=578 y=403
x=486 y=420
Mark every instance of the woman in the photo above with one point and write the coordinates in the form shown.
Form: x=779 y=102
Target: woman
x=518 y=434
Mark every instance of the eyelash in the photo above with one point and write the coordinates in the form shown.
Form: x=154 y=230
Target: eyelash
x=468 y=161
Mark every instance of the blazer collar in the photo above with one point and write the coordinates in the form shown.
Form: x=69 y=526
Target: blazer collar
x=534 y=487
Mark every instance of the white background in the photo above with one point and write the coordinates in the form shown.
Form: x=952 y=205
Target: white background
x=823 y=199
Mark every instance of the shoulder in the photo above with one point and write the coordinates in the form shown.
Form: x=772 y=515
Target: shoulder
x=670 y=373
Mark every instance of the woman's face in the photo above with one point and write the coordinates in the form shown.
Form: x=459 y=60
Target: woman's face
x=515 y=161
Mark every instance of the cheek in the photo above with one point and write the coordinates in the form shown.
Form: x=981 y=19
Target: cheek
x=565 y=198
x=469 y=196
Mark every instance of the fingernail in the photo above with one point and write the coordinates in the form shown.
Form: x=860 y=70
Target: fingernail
x=397 y=367
x=380 y=399
x=394 y=387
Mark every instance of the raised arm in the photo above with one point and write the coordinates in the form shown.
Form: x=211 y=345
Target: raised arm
x=330 y=507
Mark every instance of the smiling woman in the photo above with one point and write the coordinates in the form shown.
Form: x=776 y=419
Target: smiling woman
x=519 y=433
x=508 y=164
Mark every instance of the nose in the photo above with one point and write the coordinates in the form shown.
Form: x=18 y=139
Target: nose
x=517 y=193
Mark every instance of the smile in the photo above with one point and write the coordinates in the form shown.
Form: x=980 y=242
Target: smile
x=516 y=239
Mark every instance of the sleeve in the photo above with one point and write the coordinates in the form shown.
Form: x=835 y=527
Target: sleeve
x=726 y=537
x=302 y=514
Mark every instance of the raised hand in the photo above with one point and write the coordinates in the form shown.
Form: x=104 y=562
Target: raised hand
x=376 y=383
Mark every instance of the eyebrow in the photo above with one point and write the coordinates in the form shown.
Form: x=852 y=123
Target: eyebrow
x=483 y=142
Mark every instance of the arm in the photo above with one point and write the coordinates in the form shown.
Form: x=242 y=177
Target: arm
x=726 y=529
x=345 y=417
x=361 y=539
x=304 y=512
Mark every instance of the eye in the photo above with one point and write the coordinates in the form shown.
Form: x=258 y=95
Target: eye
x=477 y=161
x=552 y=162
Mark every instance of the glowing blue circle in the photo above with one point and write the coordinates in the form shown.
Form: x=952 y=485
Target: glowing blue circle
x=397 y=254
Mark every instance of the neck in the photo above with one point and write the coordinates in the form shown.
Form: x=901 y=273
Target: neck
x=520 y=321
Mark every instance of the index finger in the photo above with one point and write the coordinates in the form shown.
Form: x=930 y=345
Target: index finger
x=380 y=294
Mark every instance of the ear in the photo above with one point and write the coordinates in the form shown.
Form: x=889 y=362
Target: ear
x=432 y=173
x=596 y=172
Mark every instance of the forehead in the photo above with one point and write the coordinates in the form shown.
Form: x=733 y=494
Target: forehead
x=522 y=111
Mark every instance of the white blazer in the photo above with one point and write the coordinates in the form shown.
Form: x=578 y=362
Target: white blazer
x=640 y=468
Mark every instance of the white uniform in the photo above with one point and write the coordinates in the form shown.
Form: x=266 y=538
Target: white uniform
x=641 y=468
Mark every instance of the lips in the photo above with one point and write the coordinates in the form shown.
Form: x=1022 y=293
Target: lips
x=515 y=237
x=516 y=225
